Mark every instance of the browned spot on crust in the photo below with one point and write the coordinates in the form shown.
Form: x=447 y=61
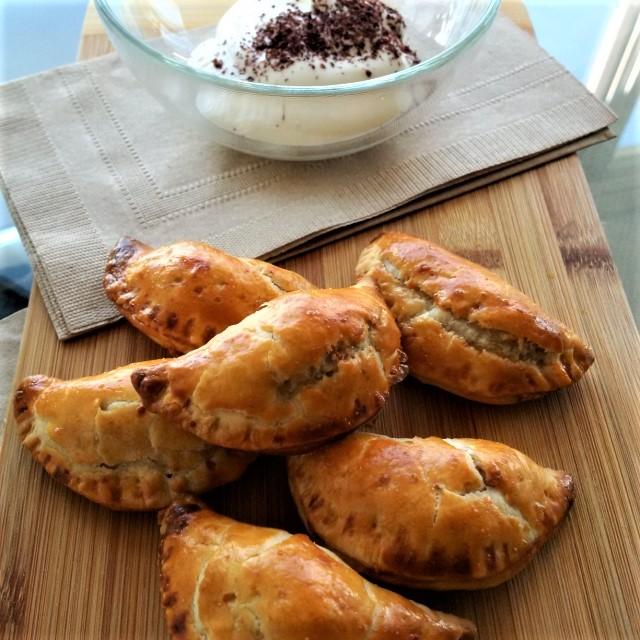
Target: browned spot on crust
x=208 y=334
x=178 y=516
x=330 y=518
x=153 y=312
x=436 y=564
x=462 y=565
x=491 y=475
x=425 y=267
x=488 y=258
x=172 y=320
x=195 y=264
x=383 y=480
x=315 y=502
x=210 y=464
x=566 y=366
x=228 y=597
x=26 y=394
x=61 y=475
x=19 y=403
x=141 y=410
x=169 y=599
x=402 y=554
x=348 y=525
x=584 y=358
x=179 y=624
x=116 y=494
x=579 y=258
x=149 y=384
x=401 y=371
x=566 y=481
x=121 y=255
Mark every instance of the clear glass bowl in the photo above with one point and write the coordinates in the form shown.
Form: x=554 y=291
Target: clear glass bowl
x=156 y=37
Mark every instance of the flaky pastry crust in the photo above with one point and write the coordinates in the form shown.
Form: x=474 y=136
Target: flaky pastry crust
x=94 y=436
x=465 y=329
x=183 y=294
x=306 y=368
x=427 y=512
x=222 y=579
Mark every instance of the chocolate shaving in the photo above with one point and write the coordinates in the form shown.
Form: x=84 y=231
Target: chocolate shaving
x=331 y=32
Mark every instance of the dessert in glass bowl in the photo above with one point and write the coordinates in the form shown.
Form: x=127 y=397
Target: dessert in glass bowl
x=296 y=79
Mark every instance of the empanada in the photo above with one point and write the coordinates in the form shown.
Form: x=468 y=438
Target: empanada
x=465 y=329
x=93 y=435
x=429 y=513
x=226 y=580
x=307 y=367
x=183 y=294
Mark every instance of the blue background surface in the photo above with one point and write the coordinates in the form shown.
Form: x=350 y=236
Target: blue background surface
x=36 y=35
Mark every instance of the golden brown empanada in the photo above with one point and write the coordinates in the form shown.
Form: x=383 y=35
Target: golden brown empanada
x=93 y=435
x=307 y=367
x=429 y=513
x=226 y=580
x=183 y=294
x=465 y=329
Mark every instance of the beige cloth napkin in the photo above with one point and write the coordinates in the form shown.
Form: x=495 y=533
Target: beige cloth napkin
x=10 y=334
x=87 y=156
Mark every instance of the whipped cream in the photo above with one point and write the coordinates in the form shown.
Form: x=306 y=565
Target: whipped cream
x=306 y=42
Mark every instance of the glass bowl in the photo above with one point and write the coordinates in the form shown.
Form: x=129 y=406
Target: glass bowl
x=156 y=37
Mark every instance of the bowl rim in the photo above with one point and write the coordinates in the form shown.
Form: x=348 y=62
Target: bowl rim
x=362 y=86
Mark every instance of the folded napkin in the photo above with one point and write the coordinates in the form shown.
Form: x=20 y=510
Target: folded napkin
x=10 y=334
x=88 y=156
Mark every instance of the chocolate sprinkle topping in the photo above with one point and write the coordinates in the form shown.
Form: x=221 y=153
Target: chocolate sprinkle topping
x=332 y=31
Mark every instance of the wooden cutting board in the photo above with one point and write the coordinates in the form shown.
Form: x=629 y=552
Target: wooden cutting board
x=72 y=570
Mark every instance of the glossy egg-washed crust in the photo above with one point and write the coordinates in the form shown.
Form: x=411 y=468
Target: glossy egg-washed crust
x=183 y=294
x=427 y=512
x=306 y=368
x=465 y=329
x=94 y=436
x=225 y=580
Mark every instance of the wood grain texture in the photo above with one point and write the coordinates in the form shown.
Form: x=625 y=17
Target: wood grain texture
x=70 y=569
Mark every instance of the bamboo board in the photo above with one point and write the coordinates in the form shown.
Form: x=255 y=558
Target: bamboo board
x=72 y=570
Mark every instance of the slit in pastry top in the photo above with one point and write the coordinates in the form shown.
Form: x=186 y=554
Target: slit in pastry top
x=94 y=436
x=225 y=579
x=306 y=368
x=465 y=329
x=183 y=294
